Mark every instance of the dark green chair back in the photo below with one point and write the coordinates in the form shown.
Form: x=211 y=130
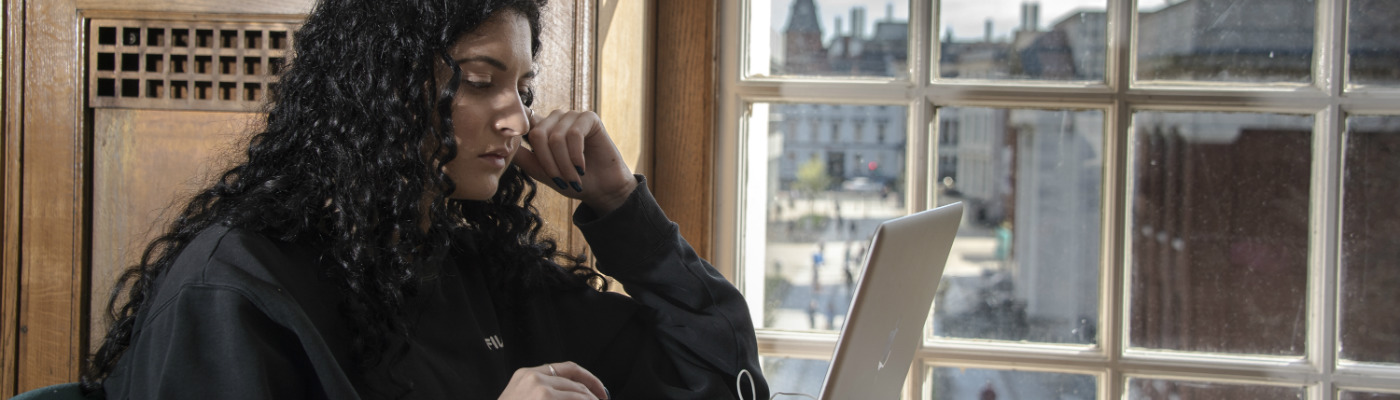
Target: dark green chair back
x=62 y=391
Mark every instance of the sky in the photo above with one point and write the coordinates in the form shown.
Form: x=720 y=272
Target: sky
x=967 y=16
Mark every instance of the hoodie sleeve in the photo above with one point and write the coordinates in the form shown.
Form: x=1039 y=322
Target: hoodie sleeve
x=212 y=343
x=219 y=328
x=701 y=321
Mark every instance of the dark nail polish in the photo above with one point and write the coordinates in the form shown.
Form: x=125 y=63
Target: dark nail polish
x=577 y=188
x=560 y=183
x=579 y=169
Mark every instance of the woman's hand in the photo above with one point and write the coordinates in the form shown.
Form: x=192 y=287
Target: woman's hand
x=564 y=380
x=571 y=152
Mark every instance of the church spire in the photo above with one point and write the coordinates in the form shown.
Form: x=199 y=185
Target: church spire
x=802 y=18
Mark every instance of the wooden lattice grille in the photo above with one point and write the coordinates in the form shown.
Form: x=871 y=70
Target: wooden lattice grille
x=184 y=65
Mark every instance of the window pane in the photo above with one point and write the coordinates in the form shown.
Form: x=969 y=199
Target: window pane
x=794 y=375
x=1025 y=265
x=837 y=38
x=1372 y=45
x=1219 y=231
x=1370 y=237
x=1226 y=41
x=946 y=383
x=1369 y=396
x=834 y=173
x=1170 y=390
x=987 y=40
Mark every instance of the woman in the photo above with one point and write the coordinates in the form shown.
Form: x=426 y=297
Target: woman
x=379 y=240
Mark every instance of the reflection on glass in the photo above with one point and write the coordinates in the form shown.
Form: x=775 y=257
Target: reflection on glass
x=794 y=375
x=1372 y=47
x=1170 y=389
x=1370 y=237
x=982 y=40
x=1219 y=234
x=1346 y=395
x=834 y=173
x=838 y=38
x=1025 y=266
x=1227 y=41
x=944 y=383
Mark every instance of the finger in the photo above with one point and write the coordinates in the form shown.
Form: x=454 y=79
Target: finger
x=571 y=396
x=575 y=146
x=569 y=129
x=563 y=388
x=578 y=374
x=524 y=156
x=551 y=385
x=539 y=383
x=532 y=121
x=539 y=143
x=528 y=162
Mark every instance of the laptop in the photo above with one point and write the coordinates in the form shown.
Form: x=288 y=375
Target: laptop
x=885 y=323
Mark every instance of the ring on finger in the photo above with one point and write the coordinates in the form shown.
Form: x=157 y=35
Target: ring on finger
x=551 y=370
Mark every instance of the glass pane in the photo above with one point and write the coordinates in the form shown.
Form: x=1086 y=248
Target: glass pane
x=1219 y=231
x=834 y=173
x=1162 y=389
x=1371 y=42
x=1025 y=265
x=1370 y=237
x=1226 y=40
x=1369 y=396
x=836 y=38
x=944 y=383
x=794 y=375
x=990 y=40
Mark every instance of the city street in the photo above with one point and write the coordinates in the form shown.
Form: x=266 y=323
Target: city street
x=801 y=304
x=812 y=299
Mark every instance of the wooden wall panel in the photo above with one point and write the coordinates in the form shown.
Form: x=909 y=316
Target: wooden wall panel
x=625 y=64
x=11 y=64
x=685 y=118
x=146 y=165
x=52 y=245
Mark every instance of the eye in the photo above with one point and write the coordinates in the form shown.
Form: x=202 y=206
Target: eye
x=477 y=83
x=476 y=80
x=527 y=96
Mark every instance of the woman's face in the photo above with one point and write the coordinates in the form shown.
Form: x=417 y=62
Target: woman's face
x=488 y=111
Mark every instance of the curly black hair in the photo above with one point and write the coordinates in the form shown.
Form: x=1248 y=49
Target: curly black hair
x=358 y=130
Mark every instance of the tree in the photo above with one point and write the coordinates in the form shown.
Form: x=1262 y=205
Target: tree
x=812 y=177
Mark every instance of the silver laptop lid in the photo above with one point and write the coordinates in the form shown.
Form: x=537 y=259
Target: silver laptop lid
x=891 y=302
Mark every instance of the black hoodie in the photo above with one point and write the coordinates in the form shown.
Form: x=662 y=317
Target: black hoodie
x=240 y=316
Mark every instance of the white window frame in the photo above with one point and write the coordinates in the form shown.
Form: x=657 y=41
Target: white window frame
x=1328 y=99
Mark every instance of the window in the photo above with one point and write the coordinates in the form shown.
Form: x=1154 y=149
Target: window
x=1164 y=198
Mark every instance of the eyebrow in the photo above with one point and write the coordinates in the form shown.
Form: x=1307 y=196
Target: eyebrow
x=492 y=61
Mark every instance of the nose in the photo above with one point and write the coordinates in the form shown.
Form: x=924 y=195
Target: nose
x=513 y=118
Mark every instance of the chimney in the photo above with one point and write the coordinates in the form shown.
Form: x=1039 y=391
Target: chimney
x=857 y=22
x=1025 y=17
x=987 y=32
x=1030 y=17
x=889 y=11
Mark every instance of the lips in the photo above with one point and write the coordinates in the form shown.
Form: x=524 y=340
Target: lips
x=496 y=158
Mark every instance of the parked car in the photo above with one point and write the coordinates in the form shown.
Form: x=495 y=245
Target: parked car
x=863 y=184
